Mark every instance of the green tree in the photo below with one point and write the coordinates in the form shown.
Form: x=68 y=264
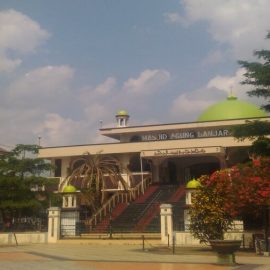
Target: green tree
x=209 y=220
x=258 y=76
x=227 y=195
x=257 y=132
x=22 y=184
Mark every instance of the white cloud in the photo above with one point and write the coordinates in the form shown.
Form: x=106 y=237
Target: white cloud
x=61 y=116
x=17 y=125
x=96 y=112
x=19 y=34
x=50 y=83
x=106 y=87
x=57 y=130
x=149 y=81
x=7 y=65
x=241 y=24
x=230 y=84
x=213 y=58
x=98 y=94
x=188 y=107
x=26 y=100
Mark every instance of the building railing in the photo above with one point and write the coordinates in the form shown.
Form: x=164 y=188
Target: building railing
x=130 y=178
x=117 y=198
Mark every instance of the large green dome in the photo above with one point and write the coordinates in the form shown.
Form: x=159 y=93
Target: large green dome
x=232 y=108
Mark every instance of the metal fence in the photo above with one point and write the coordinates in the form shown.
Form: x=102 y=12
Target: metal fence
x=23 y=224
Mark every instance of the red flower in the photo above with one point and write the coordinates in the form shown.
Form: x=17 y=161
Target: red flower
x=256 y=162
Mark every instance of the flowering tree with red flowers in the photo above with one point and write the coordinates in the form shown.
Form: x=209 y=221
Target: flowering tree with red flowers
x=227 y=195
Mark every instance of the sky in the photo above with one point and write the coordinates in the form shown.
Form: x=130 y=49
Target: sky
x=67 y=66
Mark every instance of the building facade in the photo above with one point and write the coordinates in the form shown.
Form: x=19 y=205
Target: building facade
x=171 y=153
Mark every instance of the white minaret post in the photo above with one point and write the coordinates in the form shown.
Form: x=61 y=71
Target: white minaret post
x=122 y=118
x=191 y=188
x=186 y=210
x=70 y=215
x=166 y=222
x=54 y=224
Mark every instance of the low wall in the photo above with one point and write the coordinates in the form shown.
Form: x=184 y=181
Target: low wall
x=186 y=239
x=23 y=238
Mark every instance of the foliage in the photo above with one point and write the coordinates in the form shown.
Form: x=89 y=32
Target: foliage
x=257 y=132
x=252 y=130
x=209 y=220
x=22 y=161
x=258 y=76
x=22 y=185
x=93 y=176
x=226 y=195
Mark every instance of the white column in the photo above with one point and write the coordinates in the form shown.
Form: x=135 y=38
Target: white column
x=189 y=192
x=54 y=224
x=222 y=161
x=65 y=167
x=155 y=169
x=124 y=159
x=166 y=223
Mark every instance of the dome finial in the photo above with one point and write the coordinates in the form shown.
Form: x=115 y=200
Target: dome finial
x=231 y=96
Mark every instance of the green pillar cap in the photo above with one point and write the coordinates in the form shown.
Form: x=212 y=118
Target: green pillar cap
x=69 y=189
x=122 y=113
x=193 y=184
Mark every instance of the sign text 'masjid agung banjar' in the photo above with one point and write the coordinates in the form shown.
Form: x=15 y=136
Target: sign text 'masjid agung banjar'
x=188 y=134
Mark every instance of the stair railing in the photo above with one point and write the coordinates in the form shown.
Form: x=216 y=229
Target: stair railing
x=119 y=197
x=149 y=204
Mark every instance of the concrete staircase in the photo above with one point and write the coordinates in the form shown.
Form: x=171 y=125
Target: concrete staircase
x=103 y=226
x=143 y=214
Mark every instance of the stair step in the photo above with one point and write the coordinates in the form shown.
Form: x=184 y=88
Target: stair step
x=142 y=215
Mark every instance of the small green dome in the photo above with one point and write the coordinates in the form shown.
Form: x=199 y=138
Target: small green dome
x=69 y=189
x=232 y=108
x=193 y=184
x=122 y=113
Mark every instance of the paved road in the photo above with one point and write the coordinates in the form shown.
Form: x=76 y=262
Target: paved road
x=121 y=257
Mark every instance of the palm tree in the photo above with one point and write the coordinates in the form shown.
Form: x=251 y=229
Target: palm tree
x=93 y=175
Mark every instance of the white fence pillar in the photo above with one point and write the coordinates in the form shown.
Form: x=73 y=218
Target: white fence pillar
x=54 y=224
x=166 y=222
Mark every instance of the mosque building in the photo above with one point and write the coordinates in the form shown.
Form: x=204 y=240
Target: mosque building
x=172 y=153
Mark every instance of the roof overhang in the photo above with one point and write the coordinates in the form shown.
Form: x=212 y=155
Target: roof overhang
x=117 y=132
x=156 y=145
x=138 y=147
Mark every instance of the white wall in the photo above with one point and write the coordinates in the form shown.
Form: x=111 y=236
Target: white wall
x=23 y=238
x=186 y=239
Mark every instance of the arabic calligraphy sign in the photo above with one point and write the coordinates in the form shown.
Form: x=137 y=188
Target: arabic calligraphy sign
x=181 y=152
